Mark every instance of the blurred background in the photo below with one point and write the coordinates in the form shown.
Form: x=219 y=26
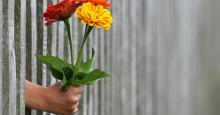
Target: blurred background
x=163 y=56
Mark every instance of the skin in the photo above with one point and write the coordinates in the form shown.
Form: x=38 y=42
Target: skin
x=51 y=99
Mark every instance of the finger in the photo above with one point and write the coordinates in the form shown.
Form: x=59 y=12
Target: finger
x=77 y=104
x=74 y=106
x=76 y=89
x=75 y=110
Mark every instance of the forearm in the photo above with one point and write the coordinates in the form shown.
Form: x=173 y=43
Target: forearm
x=35 y=95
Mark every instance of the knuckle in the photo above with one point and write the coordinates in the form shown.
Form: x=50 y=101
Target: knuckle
x=73 y=107
x=75 y=100
x=78 y=90
x=70 y=109
x=74 y=87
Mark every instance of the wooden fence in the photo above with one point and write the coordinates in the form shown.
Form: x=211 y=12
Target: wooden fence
x=163 y=56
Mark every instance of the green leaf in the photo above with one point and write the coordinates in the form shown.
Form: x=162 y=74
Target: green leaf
x=87 y=67
x=68 y=72
x=55 y=65
x=52 y=61
x=63 y=83
x=67 y=76
x=91 y=83
x=80 y=75
x=56 y=73
x=91 y=77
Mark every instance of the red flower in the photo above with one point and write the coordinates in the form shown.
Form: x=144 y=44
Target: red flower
x=104 y=3
x=60 y=11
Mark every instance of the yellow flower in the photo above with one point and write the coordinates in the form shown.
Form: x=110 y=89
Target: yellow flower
x=92 y=14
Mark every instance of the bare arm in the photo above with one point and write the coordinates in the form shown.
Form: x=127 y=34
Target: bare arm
x=51 y=99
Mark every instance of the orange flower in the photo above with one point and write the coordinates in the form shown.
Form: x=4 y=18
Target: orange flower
x=92 y=15
x=60 y=11
x=104 y=3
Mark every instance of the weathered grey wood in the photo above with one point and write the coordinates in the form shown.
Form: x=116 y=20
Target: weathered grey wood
x=116 y=65
x=23 y=54
x=162 y=54
x=33 y=44
x=45 y=46
x=208 y=50
x=54 y=42
x=5 y=71
x=11 y=55
x=1 y=40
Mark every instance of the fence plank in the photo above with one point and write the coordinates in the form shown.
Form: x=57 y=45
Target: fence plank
x=23 y=54
x=1 y=40
x=12 y=62
x=5 y=65
x=1 y=48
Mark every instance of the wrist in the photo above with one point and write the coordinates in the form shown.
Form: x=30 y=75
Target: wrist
x=40 y=99
x=35 y=96
x=47 y=99
x=43 y=99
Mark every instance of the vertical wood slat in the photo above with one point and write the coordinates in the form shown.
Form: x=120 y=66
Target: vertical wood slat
x=141 y=82
x=34 y=40
x=61 y=40
x=116 y=99
x=5 y=89
x=1 y=40
x=124 y=57
x=33 y=4
x=133 y=67
x=45 y=46
x=12 y=62
x=148 y=63
x=109 y=83
x=93 y=94
x=54 y=42
x=23 y=53
x=162 y=61
x=91 y=99
x=45 y=51
x=17 y=45
x=28 y=40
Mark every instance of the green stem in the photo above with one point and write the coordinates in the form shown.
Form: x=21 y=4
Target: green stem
x=69 y=37
x=86 y=34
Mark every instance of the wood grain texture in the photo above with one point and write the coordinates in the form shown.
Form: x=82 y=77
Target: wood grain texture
x=23 y=56
x=1 y=40
x=162 y=55
x=5 y=65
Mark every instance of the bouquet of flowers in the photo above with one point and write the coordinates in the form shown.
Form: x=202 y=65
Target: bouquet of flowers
x=91 y=13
